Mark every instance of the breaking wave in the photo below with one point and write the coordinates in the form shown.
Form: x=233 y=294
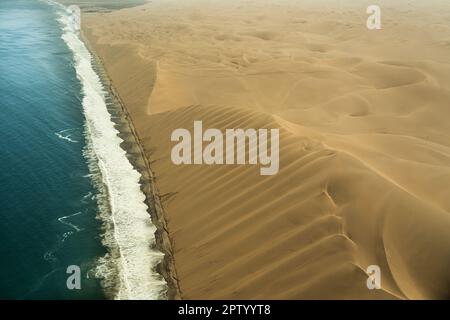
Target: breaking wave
x=128 y=270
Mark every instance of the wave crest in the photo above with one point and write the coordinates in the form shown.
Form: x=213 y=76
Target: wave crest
x=128 y=270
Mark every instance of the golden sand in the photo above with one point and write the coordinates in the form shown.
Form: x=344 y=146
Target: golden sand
x=364 y=141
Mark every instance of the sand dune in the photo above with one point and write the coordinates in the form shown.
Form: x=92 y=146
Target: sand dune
x=364 y=142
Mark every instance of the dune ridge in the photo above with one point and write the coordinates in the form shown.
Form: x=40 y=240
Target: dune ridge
x=364 y=148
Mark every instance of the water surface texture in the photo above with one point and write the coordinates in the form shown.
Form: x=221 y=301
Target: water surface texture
x=69 y=195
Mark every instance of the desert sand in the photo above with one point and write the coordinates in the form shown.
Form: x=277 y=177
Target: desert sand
x=364 y=175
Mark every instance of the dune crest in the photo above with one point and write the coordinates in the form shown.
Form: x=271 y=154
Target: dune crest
x=364 y=148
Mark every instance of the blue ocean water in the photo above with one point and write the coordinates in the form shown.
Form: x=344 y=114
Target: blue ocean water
x=48 y=208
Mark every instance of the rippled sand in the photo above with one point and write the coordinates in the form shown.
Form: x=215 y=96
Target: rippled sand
x=364 y=173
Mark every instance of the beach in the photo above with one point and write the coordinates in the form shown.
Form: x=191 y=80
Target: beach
x=364 y=143
x=48 y=207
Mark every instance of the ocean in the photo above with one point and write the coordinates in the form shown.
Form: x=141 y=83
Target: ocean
x=68 y=194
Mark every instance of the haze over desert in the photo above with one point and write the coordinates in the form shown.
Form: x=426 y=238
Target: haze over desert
x=364 y=148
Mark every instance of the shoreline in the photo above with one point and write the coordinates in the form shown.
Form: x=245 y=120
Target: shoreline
x=353 y=126
x=166 y=268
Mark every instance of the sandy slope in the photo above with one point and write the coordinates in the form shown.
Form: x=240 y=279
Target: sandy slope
x=364 y=149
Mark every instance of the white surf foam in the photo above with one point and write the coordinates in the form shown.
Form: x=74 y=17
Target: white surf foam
x=65 y=137
x=132 y=230
x=70 y=224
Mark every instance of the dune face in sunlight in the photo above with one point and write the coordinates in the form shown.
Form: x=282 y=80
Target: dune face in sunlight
x=364 y=149
x=235 y=146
